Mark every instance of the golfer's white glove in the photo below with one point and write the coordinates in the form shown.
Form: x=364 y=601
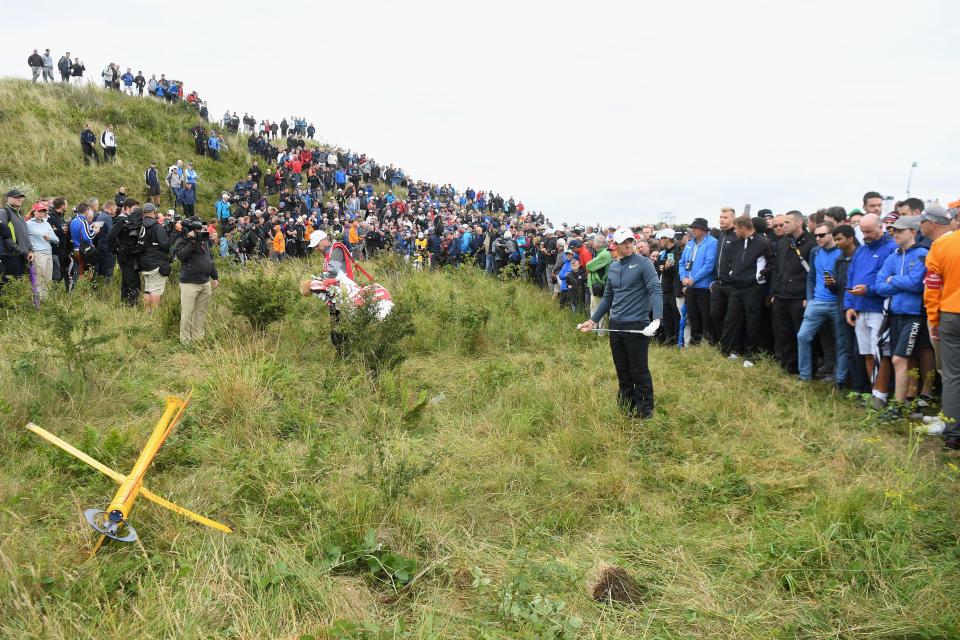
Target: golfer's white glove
x=651 y=329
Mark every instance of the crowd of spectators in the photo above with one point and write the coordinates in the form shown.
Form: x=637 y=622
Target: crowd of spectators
x=852 y=299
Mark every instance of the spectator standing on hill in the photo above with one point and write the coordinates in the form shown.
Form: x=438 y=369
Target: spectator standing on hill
x=124 y=241
x=748 y=264
x=109 y=143
x=720 y=289
x=864 y=306
x=151 y=179
x=175 y=181
x=62 y=249
x=103 y=223
x=198 y=280
x=846 y=239
x=127 y=79
x=821 y=306
x=154 y=258
x=63 y=66
x=942 y=300
x=35 y=61
x=901 y=279
x=187 y=197
x=697 y=269
x=15 y=252
x=213 y=145
x=88 y=142
x=632 y=296
x=47 y=66
x=76 y=71
x=43 y=239
x=139 y=82
x=788 y=288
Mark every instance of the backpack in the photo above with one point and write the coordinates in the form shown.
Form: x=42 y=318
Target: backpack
x=128 y=236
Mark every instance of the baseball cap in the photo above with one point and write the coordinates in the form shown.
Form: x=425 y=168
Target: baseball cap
x=15 y=193
x=936 y=215
x=906 y=222
x=622 y=235
x=665 y=233
x=316 y=238
x=149 y=207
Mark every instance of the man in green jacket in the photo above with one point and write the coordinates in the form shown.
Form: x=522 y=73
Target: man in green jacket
x=597 y=274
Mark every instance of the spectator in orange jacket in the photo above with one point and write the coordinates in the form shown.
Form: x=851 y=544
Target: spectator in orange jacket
x=279 y=248
x=941 y=297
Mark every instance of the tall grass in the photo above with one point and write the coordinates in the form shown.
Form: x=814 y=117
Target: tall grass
x=492 y=457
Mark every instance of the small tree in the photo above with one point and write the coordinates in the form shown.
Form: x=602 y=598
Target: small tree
x=261 y=298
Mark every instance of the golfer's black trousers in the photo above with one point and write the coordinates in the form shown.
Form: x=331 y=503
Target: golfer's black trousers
x=635 y=394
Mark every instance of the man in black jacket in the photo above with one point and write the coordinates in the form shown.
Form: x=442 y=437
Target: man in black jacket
x=789 y=289
x=154 y=258
x=751 y=259
x=124 y=241
x=88 y=144
x=62 y=254
x=720 y=289
x=198 y=279
x=35 y=61
x=63 y=66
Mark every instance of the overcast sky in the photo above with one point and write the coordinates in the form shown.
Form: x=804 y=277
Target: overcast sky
x=603 y=111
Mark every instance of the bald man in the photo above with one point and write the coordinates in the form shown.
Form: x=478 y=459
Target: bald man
x=863 y=307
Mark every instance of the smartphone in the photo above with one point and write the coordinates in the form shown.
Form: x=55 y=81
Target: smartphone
x=746 y=209
x=827 y=274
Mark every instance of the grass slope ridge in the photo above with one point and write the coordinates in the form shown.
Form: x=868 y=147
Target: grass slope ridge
x=471 y=492
x=40 y=131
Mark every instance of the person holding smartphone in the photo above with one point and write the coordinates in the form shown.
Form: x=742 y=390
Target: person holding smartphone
x=821 y=306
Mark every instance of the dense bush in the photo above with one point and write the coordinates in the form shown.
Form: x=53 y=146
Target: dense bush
x=262 y=297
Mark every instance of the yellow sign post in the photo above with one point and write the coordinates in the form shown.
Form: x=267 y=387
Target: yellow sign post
x=113 y=523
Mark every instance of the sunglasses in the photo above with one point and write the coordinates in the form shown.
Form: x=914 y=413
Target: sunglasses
x=778 y=226
x=821 y=235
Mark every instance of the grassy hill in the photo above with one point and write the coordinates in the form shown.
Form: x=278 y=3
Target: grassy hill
x=473 y=490
x=40 y=128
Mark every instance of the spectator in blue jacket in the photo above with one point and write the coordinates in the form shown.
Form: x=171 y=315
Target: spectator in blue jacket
x=901 y=280
x=821 y=306
x=127 y=82
x=187 y=197
x=863 y=306
x=213 y=145
x=223 y=208
x=697 y=271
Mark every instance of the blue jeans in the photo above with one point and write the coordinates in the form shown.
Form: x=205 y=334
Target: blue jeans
x=488 y=267
x=816 y=313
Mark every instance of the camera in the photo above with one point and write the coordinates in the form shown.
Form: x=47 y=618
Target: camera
x=199 y=229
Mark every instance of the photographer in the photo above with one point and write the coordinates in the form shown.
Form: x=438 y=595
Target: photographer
x=198 y=279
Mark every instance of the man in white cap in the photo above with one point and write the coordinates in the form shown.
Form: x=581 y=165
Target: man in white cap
x=668 y=258
x=632 y=296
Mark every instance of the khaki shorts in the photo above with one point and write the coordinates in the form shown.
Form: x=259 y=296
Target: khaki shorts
x=153 y=282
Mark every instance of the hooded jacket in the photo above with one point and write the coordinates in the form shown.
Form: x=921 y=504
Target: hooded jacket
x=906 y=271
x=866 y=262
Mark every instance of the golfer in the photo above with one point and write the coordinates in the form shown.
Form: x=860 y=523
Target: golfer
x=631 y=294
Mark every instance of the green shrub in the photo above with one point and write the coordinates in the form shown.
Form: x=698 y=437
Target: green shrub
x=262 y=298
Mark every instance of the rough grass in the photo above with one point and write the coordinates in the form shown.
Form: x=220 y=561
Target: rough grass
x=493 y=456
